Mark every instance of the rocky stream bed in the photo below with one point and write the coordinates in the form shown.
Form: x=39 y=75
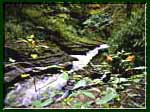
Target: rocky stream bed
x=65 y=56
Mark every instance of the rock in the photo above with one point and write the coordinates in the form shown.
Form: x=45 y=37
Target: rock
x=60 y=32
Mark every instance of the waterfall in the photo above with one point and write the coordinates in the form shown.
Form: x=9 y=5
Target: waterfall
x=83 y=60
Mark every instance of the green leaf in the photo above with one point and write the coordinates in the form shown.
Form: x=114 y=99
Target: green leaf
x=110 y=94
x=37 y=104
x=136 y=80
x=65 y=76
x=88 y=94
x=47 y=102
x=80 y=84
x=78 y=104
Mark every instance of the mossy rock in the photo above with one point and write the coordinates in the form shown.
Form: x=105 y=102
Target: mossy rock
x=63 y=34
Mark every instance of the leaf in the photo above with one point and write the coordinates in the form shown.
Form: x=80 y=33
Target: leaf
x=34 y=56
x=123 y=80
x=92 y=12
x=55 y=66
x=63 y=16
x=88 y=94
x=65 y=76
x=78 y=104
x=80 y=84
x=119 y=80
x=97 y=81
x=30 y=37
x=109 y=58
x=47 y=102
x=136 y=80
x=44 y=46
x=77 y=77
x=22 y=40
x=25 y=75
x=68 y=100
x=130 y=58
x=37 y=104
x=110 y=94
x=30 y=40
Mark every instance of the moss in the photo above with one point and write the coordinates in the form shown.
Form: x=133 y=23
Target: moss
x=32 y=11
x=67 y=33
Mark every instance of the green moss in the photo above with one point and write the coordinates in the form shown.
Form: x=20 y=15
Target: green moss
x=67 y=32
x=33 y=12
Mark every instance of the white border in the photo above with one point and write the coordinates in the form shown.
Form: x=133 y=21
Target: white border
x=145 y=57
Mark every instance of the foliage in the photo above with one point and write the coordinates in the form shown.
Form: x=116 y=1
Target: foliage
x=88 y=94
x=114 y=79
x=97 y=21
x=39 y=104
x=110 y=94
x=130 y=35
x=80 y=83
x=13 y=30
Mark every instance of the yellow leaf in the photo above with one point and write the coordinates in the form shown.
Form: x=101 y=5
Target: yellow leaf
x=44 y=46
x=92 y=12
x=22 y=40
x=25 y=75
x=33 y=43
x=94 y=6
x=30 y=37
x=34 y=56
x=30 y=40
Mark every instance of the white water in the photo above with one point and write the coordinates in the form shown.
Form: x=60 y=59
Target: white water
x=83 y=60
x=28 y=93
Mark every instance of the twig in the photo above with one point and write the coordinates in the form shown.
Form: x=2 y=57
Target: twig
x=124 y=99
x=34 y=82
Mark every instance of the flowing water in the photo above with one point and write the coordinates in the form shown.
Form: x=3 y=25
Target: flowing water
x=83 y=60
x=26 y=92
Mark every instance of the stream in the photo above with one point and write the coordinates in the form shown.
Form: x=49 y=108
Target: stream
x=25 y=92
